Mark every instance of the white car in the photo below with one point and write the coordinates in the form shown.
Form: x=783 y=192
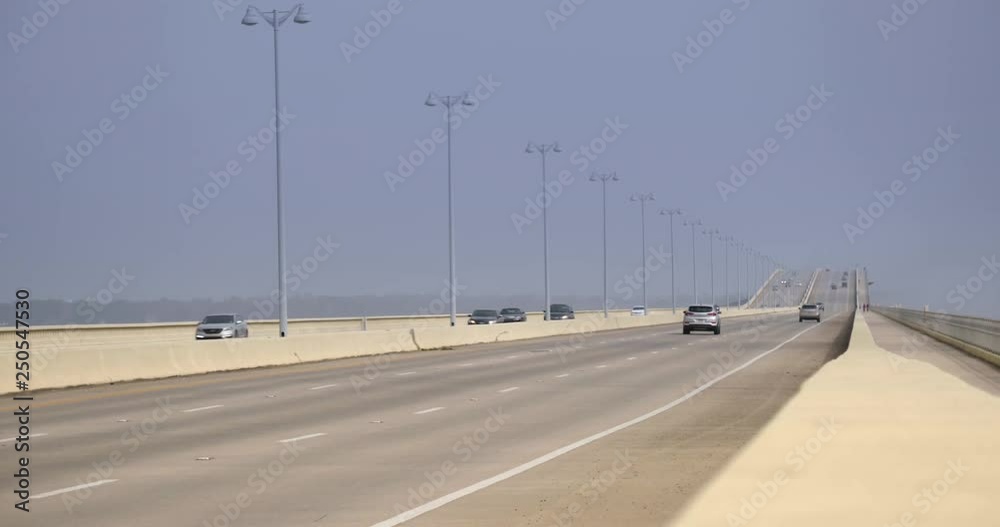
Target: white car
x=702 y=317
x=639 y=311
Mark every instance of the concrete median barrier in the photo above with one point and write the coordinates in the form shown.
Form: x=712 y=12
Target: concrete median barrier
x=63 y=363
x=864 y=443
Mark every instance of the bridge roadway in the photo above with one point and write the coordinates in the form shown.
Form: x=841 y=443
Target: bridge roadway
x=361 y=442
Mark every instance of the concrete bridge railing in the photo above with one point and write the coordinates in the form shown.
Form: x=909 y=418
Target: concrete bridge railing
x=976 y=336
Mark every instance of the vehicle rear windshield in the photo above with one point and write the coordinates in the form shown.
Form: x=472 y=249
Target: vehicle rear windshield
x=484 y=313
x=809 y=306
x=218 y=319
x=561 y=307
x=701 y=309
x=510 y=311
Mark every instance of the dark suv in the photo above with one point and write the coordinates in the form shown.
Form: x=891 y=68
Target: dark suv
x=561 y=312
x=513 y=314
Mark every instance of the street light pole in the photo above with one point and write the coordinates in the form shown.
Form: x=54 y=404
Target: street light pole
x=604 y=177
x=543 y=150
x=749 y=258
x=642 y=198
x=725 y=269
x=276 y=19
x=448 y=101
x=673 y=289
x=711 y=259
x=694 y=224
x=739 y=290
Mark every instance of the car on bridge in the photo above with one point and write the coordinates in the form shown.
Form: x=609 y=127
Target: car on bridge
x=638 y=311
x=809 y=312
x=513 y=314
x=561 y=312
x=702 y=317
x=223 y=326
x=484 y=316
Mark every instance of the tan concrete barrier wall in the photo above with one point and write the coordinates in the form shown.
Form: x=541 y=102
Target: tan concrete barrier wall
x=91 y=335
x=872 y=439
x=116 y=362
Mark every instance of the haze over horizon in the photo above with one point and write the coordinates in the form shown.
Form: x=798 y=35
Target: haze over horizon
x=139 y=204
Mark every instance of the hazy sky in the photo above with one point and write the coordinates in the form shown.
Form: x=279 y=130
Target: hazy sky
x=349 y=118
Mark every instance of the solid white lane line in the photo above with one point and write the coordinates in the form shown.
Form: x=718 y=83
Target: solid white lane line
x=630 y=358
x=405 y=373
x=74 y=488
x=9 y=439
x=203 y=408
x=429 y=410
x=300 y=438
x=466 y=364
x=511 y=356
x=323 y=387
x=505 y=390
x=444 y=500
x=602 y=366
x=562 y=375
x=655 y=352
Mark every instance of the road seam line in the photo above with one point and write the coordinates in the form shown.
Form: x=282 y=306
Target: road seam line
x=300 y=438
x=429 y=410
x=203 y=408
x=71 y=489
x=505 y=390
x=324 y=386
x=29 y=436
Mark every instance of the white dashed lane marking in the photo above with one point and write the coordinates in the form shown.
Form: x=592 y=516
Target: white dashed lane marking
x=203 y=408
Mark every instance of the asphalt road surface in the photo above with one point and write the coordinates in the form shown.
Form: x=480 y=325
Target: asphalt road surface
x=373 y=441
